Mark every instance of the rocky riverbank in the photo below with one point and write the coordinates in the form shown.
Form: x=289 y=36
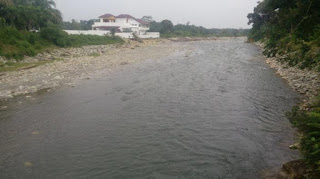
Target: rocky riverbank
x=306 y=82
x=67 y=65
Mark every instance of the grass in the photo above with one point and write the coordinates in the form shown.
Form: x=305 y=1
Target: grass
x=16 y=44
x=309 y=123
x=82 y=40
x=10 y=66
x=94 y=54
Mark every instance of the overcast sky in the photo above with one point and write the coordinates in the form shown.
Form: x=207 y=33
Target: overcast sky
x=207 y=13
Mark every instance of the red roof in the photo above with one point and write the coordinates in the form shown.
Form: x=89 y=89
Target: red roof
x=106 y=16
x=125 y=16
x=142 y=21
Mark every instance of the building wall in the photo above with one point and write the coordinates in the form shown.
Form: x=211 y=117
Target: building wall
x=122 y=23
x=127 y=22
x=88 y=32
x=122 y=35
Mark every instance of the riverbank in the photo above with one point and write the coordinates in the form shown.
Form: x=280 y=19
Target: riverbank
x=62 y=67
x=307 y=83
x=217 y=106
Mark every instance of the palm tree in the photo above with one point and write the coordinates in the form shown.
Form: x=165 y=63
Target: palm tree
x=48 y=4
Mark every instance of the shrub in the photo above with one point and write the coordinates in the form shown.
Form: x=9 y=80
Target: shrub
x=17 y=44
x=55 y=35
x=309 y=123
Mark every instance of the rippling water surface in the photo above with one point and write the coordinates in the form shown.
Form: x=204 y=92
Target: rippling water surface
x=215 y=113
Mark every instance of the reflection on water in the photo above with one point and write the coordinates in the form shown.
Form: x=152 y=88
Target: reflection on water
x=215 y=113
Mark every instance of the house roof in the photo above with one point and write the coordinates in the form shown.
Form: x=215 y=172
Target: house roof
x=106 y=16
x=129 y=16
x=125 y=16
x=142 y=21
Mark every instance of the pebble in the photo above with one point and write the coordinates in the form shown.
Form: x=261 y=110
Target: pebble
x=28 y=164
x=68 y=70
x=35 y=133
x=306 y=82
x=4 y=107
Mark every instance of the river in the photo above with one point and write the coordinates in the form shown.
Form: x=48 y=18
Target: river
x=218 y=112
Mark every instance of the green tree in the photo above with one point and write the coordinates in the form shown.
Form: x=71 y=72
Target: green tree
x=147 y=19
x=6 y=2
x=166 y=26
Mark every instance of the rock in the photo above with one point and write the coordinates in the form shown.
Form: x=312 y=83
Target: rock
x=2 y=60
x=28 y=164
x=55 y=74
x=295 y=146
x=314 y=76
x=35 y=133
x=58 y=77
x=3 y=107
x=295 y=169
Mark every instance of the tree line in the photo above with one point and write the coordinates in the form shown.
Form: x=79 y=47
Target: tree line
x=82 y=25
x=290 y=28
x=29 y=14
x=20 y=19
x=167 y=29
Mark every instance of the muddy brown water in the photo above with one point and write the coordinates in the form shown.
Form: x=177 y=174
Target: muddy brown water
x=218 y=112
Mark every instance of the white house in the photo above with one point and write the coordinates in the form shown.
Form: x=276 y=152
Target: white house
x=124 y=25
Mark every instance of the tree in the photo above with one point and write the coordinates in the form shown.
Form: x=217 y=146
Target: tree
x=147 y=19
x=166 y=26
x=113 y=32
x=47 y=4
x=6 y=2
x=30 y=14
x=287 y=26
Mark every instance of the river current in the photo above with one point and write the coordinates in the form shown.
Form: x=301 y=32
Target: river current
x=218 y=112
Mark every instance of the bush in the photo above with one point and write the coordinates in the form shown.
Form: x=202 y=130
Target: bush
x=55 y=35
x=17 y=44
x=81 y=40
x=309 y=123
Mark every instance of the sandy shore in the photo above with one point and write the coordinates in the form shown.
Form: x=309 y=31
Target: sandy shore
x=75 y=67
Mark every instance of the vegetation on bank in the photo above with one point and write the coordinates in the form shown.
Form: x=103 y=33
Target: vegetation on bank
x=167 y=29
x=82 y=25
x=29 y=27
x=290 y=29
x=11 y=66
x=16 y=44
x=309 y=123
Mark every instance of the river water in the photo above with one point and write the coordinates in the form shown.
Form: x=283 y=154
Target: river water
x=218 y=112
